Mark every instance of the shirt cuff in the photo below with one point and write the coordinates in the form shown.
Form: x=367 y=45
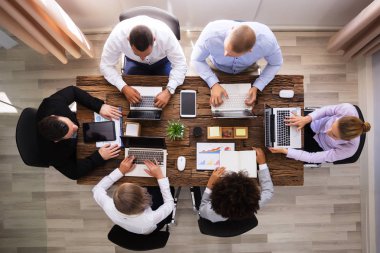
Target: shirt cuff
x=259 y=85
x=263 y=166
x=115 y=175
x=291 y=153
x=163 y=181
x=172 y=85
x=212 y=80
x=208 y=190
x=120 y=84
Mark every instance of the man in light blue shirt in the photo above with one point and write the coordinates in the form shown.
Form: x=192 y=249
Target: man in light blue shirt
x=233 y=47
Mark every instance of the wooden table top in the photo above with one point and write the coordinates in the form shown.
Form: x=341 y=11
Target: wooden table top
x=284 y=171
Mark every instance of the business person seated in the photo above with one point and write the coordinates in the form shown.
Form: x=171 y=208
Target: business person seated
x=130 y=207
x=336 y=130
x=235 y=196
x=234 y=47
x=57 y=132
x=151 y=48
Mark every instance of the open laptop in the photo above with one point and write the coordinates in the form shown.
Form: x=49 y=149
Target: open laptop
x=145 y=110
x=145 y=148
x=234 y=106
x=277 y=134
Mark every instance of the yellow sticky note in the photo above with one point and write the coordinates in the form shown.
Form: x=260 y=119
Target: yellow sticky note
x=214 y=131
x=240 y=132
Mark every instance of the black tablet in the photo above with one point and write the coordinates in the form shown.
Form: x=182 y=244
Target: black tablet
x=99 y=131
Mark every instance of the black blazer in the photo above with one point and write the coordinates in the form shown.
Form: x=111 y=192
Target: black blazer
x=62 y=154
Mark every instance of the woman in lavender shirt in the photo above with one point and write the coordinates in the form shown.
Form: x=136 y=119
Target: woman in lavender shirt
x=336 y=129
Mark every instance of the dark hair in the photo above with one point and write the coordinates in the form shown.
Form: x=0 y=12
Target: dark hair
x=236 y=196
x=141 y=37
x=52 y=128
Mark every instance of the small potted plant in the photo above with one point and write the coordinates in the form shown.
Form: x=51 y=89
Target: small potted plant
x=175 y=130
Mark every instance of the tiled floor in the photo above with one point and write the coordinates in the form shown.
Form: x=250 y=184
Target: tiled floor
x=41 y=210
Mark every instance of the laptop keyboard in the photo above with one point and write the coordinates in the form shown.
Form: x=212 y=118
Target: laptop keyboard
x=146 y=101
x=142 y=155
x=233 y=101
x=283 y=131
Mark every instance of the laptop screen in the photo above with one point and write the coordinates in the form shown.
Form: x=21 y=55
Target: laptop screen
x=143 y=142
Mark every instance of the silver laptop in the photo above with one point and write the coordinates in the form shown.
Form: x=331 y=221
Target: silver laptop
x=277 y=134
x=145 y=110
x=234 y=106
x=145 y=148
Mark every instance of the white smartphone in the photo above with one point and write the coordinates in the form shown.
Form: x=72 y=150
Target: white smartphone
x=188 y=103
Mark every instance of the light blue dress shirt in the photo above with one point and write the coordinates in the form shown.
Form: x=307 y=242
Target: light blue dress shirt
x=211 y=44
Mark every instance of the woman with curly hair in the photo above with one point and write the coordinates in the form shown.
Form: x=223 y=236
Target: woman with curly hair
x=235 y=196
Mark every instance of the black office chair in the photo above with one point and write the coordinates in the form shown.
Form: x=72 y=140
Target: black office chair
x=309 y=138
x=156 y=13
x=26 y=139
x=132 y=241
x=139 y=242
x=228 y=228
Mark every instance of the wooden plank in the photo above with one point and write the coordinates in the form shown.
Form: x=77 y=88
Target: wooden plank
x=284 y=171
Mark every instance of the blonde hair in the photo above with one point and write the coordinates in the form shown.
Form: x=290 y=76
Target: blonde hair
x=131 y=199
x=351 y=127
x=242 y=39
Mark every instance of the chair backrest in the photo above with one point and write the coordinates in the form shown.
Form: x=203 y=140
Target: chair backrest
x=226 y=228
x=156 y=13
x=138 y=242
x=26 y=139
x=356 y=156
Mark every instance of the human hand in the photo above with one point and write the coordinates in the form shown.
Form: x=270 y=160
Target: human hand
x=217 y=93
x=162 y=98
x=260 y=155
x=252 y=95
x=298 y=121
x=109 y=112
x=279 y=150
x=127 y=165
x=107 y=151
x=216 y=174
x=132 y=95
x=153 y=169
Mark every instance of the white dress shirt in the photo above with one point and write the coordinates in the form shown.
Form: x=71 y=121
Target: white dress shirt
x=206 y=211
x=144 y=223
x=210 y=44
x=165 y=45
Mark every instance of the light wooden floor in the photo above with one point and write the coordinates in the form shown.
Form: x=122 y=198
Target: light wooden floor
x=42 y=211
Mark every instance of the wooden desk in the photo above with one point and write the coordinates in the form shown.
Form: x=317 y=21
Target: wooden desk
x=284 y=171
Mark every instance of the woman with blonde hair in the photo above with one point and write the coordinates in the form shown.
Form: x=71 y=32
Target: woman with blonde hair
x=336 y=130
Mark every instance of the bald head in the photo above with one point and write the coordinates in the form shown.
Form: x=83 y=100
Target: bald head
x=240 y=40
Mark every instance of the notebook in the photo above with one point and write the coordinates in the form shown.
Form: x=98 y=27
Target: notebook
x=239 y=161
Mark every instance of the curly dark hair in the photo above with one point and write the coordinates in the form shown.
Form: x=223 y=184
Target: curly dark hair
x=236 y=196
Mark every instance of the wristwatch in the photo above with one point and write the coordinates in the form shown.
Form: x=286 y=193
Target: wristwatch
x=170 y=89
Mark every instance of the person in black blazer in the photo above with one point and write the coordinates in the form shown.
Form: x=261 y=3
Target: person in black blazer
x=57 y=131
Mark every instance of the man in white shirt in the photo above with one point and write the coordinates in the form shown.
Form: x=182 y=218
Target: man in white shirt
x=151 y=48
x=130 y=206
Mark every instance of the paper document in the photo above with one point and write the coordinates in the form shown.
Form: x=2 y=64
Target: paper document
x=239 y=161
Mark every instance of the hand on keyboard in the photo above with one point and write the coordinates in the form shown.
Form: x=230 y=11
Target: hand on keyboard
x=162 y=99
x=127 y=165
x=298 y=121
x=153 y=169
x=217 y=93
x=252 y=95
x=132 y=95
